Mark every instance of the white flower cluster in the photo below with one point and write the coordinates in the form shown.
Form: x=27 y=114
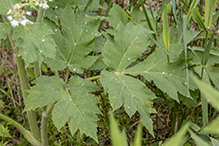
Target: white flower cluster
x=42 y=3
x=18 y=15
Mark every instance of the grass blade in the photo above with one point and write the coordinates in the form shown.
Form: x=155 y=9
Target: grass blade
x=118 y=138
x=197 y=16
x=210 y=93
x=138 y=135
x=207 y=50
x=185 y=50
x=174 y=9
x=191 y=8
x=166 y=30
x=208 y=13
x=179 y=138
x=216 y=16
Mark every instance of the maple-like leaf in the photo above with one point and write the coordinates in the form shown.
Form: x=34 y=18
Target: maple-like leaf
x=169 y=77
x=130 y=43
x=34 y=42
x=74 y=104
x=78 y=40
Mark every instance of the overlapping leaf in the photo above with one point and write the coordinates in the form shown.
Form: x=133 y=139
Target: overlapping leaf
x=4 y=8
x=4 y=28
x=34 y=42
x=77 y=41
x=130 y=42
x=74 y=103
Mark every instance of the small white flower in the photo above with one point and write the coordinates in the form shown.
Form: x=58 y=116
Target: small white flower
x=14 y=23
x=10 y=18
x=50 y=0
x=9 y=11
x=37 y=3
x=25 y=22
x=45 y=6
x=28 y=13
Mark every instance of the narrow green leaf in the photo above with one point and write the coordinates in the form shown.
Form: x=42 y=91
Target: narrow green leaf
x=208 y=13
x=174 y=9
x=166 y=30
x=212 y=128
x=146 y=16
x=71 y=102
x=210 y=93
x=191 y=8
x=197 y=16
x=35 y=42
x=118 y=138
x=199 y=141
x=215 y=17
x=179 y=138
x=207 y=50
x=138 y=136
x=185 y=50
x=214 y=141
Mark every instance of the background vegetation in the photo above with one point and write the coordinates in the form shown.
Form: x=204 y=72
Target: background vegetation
x=153 y=63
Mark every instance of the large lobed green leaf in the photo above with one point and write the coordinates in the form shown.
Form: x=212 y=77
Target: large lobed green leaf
x=35 y=42
x=77 y=42
x=169 y=77
x=130 y=43
x=74 y=103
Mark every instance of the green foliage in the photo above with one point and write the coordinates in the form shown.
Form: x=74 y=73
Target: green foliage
x=4 y=30
x=4 y=132
x=4 y=7
x=130 y=42
x=74 y=103
x=35 y=42
x=77 y=42
x=94 y=69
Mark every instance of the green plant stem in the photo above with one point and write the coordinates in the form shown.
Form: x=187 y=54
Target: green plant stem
x=44 y=122
x=148 y=19
x=66 y=77
x=47 y=109
x=93 y=78
x=27 y=134
x=24 y=84
x=204 y=104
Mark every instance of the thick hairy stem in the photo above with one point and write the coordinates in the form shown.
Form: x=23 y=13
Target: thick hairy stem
x=27 y=134
x=45 y=119
x=24 y=84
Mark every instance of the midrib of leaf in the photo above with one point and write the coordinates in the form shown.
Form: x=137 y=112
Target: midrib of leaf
x=76 y=43
x=126 y=52
x=128 y=90
x=71 y=101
